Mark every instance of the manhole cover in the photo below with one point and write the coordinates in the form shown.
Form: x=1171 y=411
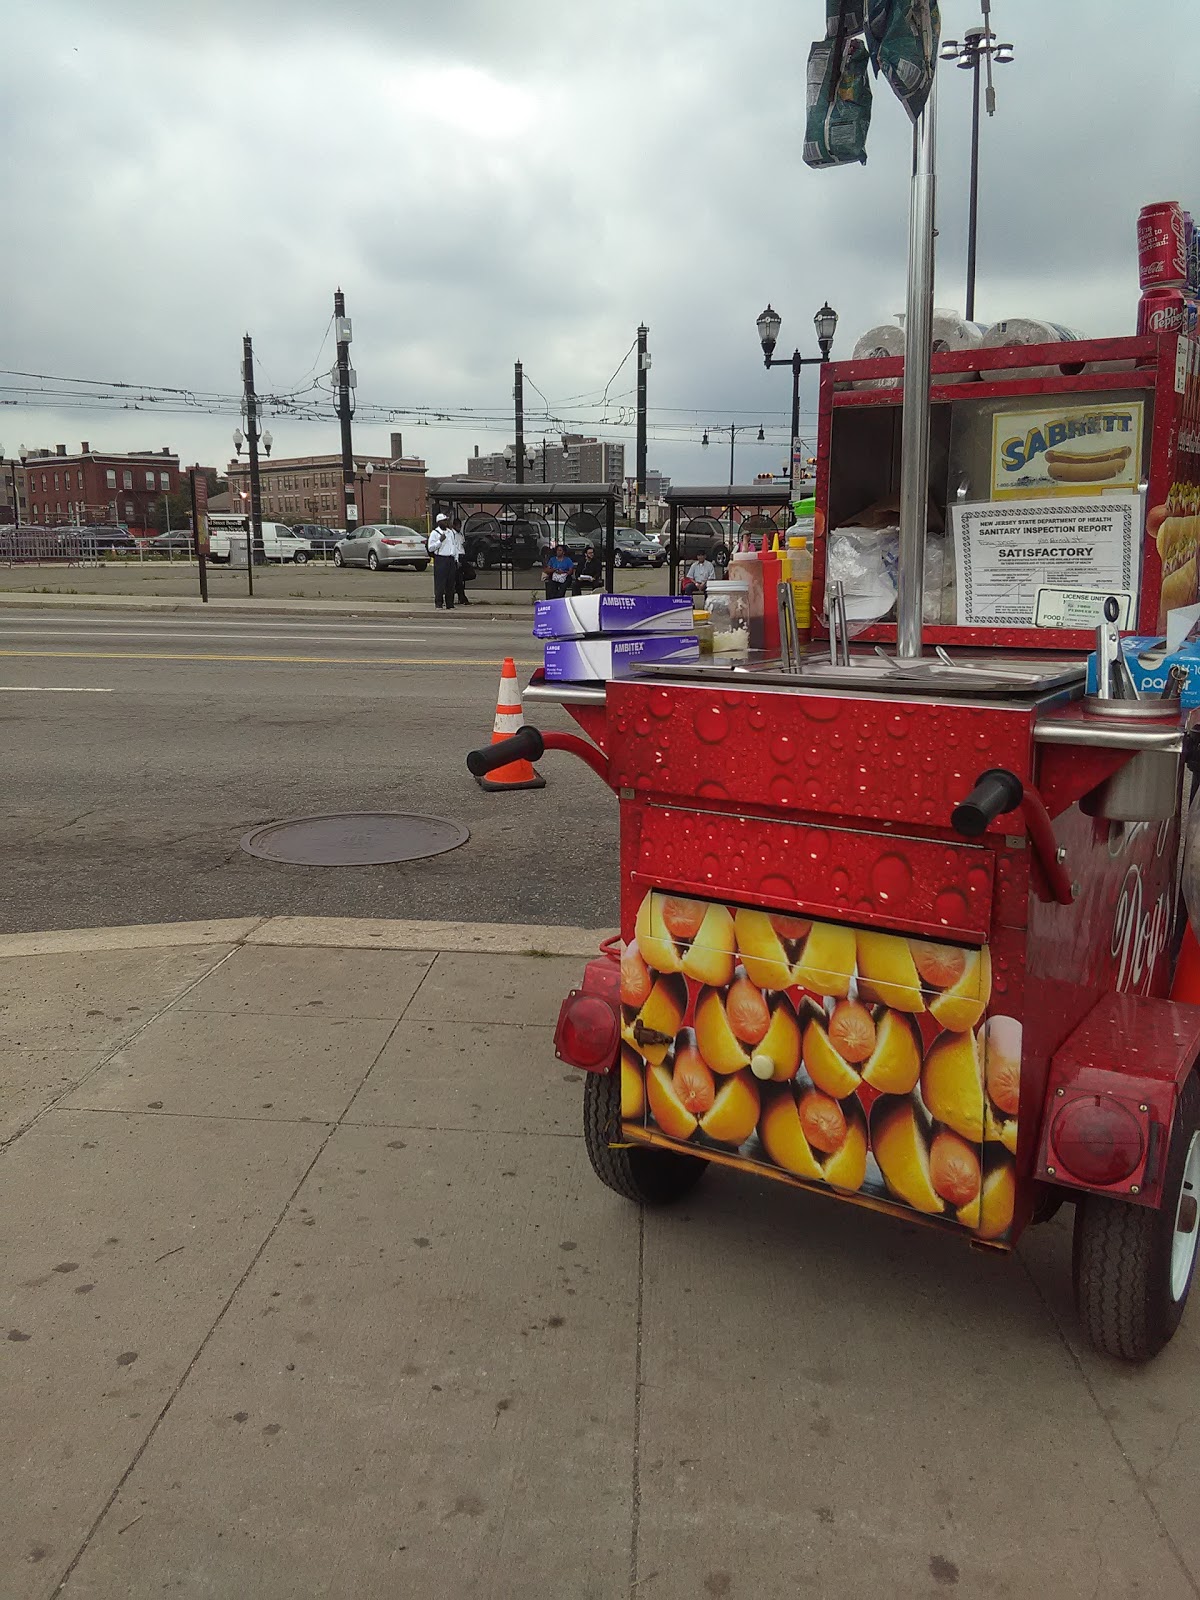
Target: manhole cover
x=355 y=839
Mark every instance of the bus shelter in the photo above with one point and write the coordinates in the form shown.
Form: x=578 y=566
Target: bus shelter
x=720 y=513
x=509 y=526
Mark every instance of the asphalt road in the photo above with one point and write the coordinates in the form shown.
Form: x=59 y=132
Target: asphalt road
x=139 y=749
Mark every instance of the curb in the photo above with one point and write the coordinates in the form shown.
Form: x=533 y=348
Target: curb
x=399 y=610
x=319 y=933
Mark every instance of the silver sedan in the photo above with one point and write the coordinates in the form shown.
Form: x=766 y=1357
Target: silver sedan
x=381 y=546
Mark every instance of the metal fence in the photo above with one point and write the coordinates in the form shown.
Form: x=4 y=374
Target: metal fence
x=81 y=547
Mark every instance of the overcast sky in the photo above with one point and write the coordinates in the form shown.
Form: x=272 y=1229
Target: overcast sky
x=492 y=180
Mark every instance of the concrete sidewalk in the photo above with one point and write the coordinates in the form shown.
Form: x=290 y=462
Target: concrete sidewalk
x=310 y=1290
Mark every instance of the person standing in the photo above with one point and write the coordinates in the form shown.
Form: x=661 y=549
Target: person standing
x=445 y=562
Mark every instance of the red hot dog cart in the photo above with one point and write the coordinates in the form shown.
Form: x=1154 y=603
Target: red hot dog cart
x=898 y=927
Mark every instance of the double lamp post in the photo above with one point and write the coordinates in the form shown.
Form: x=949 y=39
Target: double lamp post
x=769 y=321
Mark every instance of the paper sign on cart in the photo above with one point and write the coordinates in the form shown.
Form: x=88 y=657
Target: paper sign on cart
x=1063 y=450
x=1078 y=608
x=1006 y=553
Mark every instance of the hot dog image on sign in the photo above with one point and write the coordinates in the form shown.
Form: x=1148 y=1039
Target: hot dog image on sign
x=1064 y=450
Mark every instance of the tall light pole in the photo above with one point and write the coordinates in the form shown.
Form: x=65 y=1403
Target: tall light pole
x=345 y=380
x=643 y=366
x=768 y=324
x=979 y=44
x=254 y=543
x=12 y=471
x=363 y=478
x=734 y=429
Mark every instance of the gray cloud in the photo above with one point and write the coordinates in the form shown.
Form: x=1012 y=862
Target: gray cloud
x=487 y=182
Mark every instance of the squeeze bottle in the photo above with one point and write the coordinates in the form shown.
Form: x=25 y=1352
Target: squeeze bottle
x=800 y=576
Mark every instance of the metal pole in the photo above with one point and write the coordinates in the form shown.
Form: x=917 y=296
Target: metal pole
x=914 y=435
x=643 y=359
x=254 y=542
x=972 y=222
x=797 y=363
x=519 y=421
x=732 y=440
x=610 y=523
x=345 y=409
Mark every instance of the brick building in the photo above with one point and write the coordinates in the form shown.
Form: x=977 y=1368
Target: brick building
x=309 y=488
x=572 y=459
x=95 y=486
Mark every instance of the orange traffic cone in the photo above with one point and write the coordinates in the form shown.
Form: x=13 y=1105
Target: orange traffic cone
x=515 y=774
x=1186 y=983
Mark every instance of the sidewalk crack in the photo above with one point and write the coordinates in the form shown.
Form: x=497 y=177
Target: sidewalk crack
x=636 y=1486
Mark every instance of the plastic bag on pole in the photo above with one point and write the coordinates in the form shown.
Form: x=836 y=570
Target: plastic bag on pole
x=838 y=102
x=902 y=37
x=845 y=17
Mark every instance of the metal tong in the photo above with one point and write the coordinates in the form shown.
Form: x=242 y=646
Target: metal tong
x=789 y=631
x=839 y=631
x=1114 y=681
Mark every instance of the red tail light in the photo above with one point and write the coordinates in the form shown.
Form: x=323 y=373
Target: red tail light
x=1097 y=1140
x=588 y=1031
x=391 y=541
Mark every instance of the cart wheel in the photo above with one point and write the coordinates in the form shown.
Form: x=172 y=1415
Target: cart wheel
x=1132 y=1266
x=651 y=1177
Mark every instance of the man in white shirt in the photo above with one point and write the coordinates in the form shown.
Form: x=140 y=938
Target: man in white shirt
x=700 y=574
x=446 y=545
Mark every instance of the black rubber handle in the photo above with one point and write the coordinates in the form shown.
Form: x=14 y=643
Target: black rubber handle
x=996 y=791
x=525 y=745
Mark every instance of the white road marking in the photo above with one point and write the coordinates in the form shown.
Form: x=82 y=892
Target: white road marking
x=49 y=688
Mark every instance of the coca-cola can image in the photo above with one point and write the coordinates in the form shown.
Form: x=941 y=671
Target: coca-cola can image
x=1193 y=277
x=1162 y=247
x=1161 y=310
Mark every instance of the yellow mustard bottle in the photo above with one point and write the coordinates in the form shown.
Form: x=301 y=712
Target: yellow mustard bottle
x=800 y=576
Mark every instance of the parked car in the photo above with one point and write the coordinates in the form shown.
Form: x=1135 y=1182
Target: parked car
x=576 y=544
x=494 y=541
x=633 y=548
x=177 y=541
x=382 y=545
x=322 y=541
x=702 y=536
x=280 y=543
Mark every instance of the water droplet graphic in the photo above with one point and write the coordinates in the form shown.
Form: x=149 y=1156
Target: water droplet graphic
x=950 y=907
x=642 y=723
x=839 y=882
x=817 y=844
x=661 y=704
x=897 y=725
x=891 y=878
x=782 y=792
x=711 y=790
x=782 y=749
x=756 y=717
x=711 y=724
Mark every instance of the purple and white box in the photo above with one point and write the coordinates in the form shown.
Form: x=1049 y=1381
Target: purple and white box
x=589 y=614
x=590 y=660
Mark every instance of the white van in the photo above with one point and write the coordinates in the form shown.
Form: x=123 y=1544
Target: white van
x=280 y=543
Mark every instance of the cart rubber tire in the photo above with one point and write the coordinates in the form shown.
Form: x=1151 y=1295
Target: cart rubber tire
x=337 y=558
x=1121 y=1261
x=651 y=1177
x=372 y=561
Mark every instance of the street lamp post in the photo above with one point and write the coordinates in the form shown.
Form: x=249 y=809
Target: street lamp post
x=734 y=429
x=979 y=44
x=768 y=323
x=362 y=479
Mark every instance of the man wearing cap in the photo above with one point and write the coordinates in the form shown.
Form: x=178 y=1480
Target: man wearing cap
x=445 y=546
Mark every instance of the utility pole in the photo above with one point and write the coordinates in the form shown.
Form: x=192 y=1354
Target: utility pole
x=250 y=407
x=643 y=367
x=519 y=421
x=344 y=381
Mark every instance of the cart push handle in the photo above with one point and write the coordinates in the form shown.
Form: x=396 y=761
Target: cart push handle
x=998 y=790
x=524 y=745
